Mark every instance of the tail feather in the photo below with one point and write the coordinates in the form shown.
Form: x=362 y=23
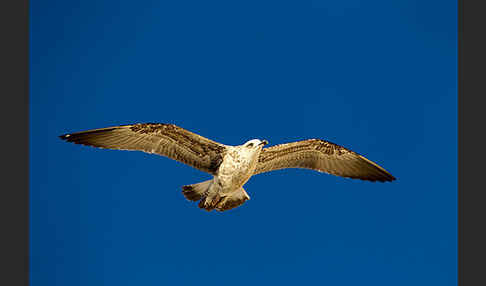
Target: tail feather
x=195 y=192
x=211 y=199
x=209 y=202
x=234 y=200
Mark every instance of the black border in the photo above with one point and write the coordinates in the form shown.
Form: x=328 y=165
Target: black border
x=471 y=193
x=14 y=198
x=14 y=203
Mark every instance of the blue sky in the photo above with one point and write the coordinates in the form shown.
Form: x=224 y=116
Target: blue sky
x=378 y=77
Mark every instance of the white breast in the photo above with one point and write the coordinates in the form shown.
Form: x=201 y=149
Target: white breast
x=237 y=167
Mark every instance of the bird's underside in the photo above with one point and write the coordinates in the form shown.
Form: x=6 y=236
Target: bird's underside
x=209 y=156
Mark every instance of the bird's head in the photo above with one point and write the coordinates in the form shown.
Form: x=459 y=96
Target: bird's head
x=255 y=143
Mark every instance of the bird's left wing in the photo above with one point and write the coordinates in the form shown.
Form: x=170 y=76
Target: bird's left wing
x=167 y=140
x=322 y=156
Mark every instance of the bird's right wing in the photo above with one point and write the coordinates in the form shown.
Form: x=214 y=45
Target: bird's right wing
x=322 y=156
x=157 y=138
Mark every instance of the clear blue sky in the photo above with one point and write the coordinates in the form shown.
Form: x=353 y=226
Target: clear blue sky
x=378 y=77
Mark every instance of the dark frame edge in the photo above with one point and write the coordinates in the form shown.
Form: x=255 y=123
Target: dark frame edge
x=14 y=198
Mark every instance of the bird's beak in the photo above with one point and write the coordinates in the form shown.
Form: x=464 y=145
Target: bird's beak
x=264 y=142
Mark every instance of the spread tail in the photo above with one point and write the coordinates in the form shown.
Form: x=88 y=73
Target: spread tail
x=234 y=200
x=211 y=200
x=195 y=192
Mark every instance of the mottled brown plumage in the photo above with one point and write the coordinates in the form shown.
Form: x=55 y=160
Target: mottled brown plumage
x=231 y=166
x=163 y=139
x=322 y=156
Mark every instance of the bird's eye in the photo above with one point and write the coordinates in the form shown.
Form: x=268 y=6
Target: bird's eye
x=249 y=145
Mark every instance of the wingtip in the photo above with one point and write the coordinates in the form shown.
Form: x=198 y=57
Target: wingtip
x=390 y=178
x=64 y=136
x=385 y=176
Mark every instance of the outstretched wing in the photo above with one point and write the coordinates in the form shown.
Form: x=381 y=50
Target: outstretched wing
x=322 y=156
x=157 y=138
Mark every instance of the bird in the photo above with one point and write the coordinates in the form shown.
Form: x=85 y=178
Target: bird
x=230 y=166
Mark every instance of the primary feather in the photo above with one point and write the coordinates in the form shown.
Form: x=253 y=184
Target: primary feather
x=231 y=166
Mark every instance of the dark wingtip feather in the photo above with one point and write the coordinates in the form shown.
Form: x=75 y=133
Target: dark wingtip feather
x=381 y=175
x=64 y=136
x=77 y=136
x=386 y=177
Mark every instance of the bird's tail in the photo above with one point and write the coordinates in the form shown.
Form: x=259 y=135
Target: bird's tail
x=212 y=199
x=233 y=200
x=195 y=192
x=223 y=202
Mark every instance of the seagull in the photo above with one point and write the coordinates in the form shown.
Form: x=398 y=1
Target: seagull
x=230 y=166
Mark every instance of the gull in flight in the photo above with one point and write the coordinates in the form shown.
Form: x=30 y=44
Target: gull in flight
x=230 y=166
